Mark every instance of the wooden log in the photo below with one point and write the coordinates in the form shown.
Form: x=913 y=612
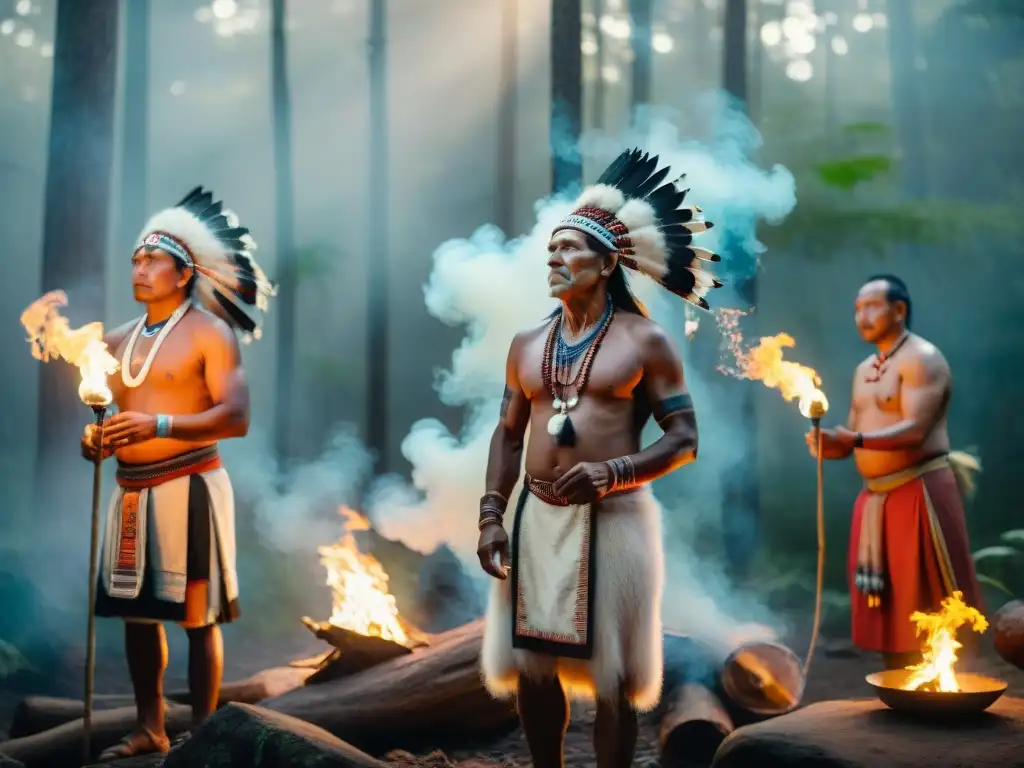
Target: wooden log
x=709 y=691
x=432 y=696
x=36 y=714
x=61 y=747
x=353 y=652
x=693 y=726
x=1008 y=632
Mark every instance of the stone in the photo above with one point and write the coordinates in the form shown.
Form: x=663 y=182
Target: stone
x=244 y=734
x=1008 y=633
x=867 y=734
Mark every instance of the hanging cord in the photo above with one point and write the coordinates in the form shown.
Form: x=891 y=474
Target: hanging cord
x=820 y=581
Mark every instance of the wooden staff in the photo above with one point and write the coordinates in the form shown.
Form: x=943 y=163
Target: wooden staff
x=100 y=411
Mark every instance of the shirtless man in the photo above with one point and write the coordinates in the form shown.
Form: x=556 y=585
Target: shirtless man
x=576 y=602
x=169 y=548
x=908 y=544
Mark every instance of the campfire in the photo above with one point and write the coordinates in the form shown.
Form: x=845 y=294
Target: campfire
x=365 y=627
x=934 y=685
x=359 y=586
x=935 y=672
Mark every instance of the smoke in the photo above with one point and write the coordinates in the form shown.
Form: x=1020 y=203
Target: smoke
x=494 y=287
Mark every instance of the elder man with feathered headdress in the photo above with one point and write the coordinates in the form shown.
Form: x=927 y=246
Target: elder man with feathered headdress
x=169 y=549
x=575 y=605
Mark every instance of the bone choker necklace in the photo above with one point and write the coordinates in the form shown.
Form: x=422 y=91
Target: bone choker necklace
x=126 y=359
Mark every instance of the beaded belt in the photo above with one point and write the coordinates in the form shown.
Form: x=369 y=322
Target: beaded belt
x=544 y=490
x=147 y=475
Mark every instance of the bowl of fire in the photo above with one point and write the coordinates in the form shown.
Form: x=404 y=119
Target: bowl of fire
x=977 y=693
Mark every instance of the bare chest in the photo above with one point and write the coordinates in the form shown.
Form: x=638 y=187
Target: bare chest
x=877 y=390
x=174 y=364
x=613 y=374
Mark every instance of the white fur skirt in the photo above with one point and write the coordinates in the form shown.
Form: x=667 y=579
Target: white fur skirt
x=588 y=583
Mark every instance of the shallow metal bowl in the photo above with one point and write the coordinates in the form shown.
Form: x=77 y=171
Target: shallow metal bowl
x=977 y=693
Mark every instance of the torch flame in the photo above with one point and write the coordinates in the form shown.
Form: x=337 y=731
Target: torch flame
x=51 y=337
x=765 y=363
x=361 y=600
x=935 y=672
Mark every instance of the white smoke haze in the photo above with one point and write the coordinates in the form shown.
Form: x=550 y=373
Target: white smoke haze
x=493 y=287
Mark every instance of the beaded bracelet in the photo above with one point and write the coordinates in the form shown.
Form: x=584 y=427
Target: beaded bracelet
x=492 y=509
x=623 y=473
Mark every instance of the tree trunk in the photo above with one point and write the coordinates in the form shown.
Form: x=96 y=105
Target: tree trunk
x=134 y=198
x=78 y=180
x=377 y=347
x=284 y=225
x=694 y=725
x=508 y=93
x=598 y=110
x=741 y=507
x=906 y=98
x=640 y=13
x=566 y=96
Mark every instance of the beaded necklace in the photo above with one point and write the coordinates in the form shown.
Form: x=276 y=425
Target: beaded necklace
x=556 y=370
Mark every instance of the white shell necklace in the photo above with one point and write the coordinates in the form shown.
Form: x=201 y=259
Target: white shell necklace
x=126 y=358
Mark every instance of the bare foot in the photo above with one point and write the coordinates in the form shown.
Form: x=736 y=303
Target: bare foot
x=142 y=741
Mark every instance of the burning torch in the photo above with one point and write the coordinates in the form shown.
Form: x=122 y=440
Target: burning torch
x=50 y=337
x=813 y=406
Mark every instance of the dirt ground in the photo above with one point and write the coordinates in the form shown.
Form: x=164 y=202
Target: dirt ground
x=837 y=673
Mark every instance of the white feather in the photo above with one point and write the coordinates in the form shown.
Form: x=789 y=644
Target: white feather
x=703 y=281
x=182 y=225
x=637 y=214
x=601 y=196
x=649 y=251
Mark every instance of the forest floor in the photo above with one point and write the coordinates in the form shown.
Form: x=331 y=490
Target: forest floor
x=838 y=672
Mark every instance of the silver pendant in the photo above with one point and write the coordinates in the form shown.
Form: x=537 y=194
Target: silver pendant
x=555 y=424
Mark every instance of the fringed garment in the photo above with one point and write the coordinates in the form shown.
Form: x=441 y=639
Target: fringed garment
x=169 y=547
x=587 y=582
x=908 y=550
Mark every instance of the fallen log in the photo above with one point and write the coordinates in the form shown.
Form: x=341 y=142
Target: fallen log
x=1008 y=633
x=61 y=747
x=431 y=696
x=241 y=734
x=708 y=692
x=353 y=652
x=693 y=726
x=35 y=714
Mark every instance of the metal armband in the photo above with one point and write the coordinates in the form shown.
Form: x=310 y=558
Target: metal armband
x=623 y=474
x=492 y=509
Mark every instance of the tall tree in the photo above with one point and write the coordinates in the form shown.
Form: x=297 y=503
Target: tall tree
x=906 y=97
x=508 y=91
x=78 y=186
x=566 y=95
x=640 y=15
x=284 y=228
x=377 y=347
x=134 y=197
x=741 y=510
x=598 y=109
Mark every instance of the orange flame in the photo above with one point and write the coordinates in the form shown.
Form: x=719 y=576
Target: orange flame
x=359 y=584
x=51 y=337
x=765 y=363
x=935 y=672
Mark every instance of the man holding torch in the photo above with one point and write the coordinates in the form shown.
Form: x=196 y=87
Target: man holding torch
x=908 y=544
x=169 y=549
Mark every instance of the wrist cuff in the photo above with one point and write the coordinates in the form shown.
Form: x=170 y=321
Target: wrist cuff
x=623 y=474
x=163 y=425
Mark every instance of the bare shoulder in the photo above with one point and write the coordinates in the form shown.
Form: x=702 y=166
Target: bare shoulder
x=528 y=336
x=113 y=339
x=864 y=366
x=651 y=339
x=923 y=362
x=211 y=333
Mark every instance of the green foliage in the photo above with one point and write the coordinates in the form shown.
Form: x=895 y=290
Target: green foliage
x=312 y=263
x=1002 y=554
x=847 y=173
x=11 y=660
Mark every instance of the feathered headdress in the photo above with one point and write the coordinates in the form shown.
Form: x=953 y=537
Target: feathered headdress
x=204 y=236
x=647 y=225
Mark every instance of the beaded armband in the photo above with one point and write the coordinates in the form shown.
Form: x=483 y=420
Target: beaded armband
x=492 y=509
x=623 y=474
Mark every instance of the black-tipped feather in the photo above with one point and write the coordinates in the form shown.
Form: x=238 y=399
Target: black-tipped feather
x=238 y=317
